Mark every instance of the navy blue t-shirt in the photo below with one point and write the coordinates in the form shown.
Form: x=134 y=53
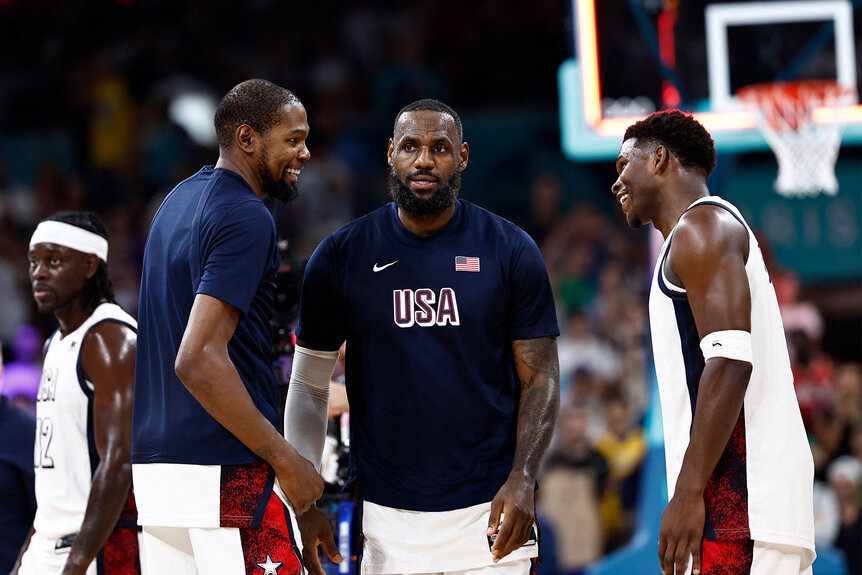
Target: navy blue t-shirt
x=430 y=374
x=214 y=236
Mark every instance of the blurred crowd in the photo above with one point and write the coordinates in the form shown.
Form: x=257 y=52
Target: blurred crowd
x=105 y=93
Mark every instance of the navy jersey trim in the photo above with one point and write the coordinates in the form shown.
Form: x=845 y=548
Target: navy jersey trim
x=91 y=430
x=289 y=524
x=261 y=505
x=91 y=438
x=128 y=524
x=691 y=353
x=82 y=380
x=82 y=383
x=720 y=205
x=694 y=363
x=666 y=290
x=662 y=284
x=48 y=343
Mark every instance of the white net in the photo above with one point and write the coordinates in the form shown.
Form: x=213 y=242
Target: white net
x=806 y=150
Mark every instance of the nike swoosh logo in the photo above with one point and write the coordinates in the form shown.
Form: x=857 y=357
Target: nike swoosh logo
x=716 y=344
x=383 y=267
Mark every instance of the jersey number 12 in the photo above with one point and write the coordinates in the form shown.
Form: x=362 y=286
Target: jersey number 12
x=45 y=431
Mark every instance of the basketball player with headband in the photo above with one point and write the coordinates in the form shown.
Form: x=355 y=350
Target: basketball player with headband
x=85 y=518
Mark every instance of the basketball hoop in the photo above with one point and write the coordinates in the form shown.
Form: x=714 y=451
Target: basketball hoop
x=806 y=150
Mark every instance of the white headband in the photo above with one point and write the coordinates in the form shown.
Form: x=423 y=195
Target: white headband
x=63 y=234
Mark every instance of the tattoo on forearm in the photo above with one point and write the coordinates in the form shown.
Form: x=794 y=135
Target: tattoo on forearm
x=539 y=373
x=266 y=452
x=537 y=414
x=203 y=385
x=539 y=358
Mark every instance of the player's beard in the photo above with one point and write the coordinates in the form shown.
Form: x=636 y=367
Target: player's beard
x=276 y=188
x=442 y=199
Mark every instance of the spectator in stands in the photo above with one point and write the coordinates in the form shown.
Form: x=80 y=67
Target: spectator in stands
x=572 y=481
x=546 y=194
x=16 y=302
x=580 y=349
x=21 y=375
x=847 y=394
x=813 y=372
x=623 y=445
x=845 y=478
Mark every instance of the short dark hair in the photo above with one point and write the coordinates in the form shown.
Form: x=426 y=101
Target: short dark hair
x=680 y=133
x=257 y=103
x=99 y=287
x=434 y=106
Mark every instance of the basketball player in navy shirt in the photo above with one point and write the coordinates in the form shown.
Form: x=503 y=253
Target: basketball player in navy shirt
x=207 y=456
x=451 y=366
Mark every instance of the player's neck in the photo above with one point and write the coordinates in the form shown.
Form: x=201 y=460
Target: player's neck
x=676 y=203
x=425 y=225
x=71 y=316
x=243 y=170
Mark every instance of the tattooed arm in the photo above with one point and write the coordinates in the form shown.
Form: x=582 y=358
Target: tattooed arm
x=205 y=368
x=538 y=370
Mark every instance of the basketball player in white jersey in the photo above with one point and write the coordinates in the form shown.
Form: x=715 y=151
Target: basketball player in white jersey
x=85 y=518
x=739 y=469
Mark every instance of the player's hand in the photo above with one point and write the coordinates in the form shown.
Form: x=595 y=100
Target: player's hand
x=515 y=501
x=300 y=481
x=315 y=530
x=338 y=403
x=681 y=533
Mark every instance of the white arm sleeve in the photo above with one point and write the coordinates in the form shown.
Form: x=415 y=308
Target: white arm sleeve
x=306 y=409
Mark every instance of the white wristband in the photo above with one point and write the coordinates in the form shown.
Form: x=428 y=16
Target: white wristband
x=732 y=344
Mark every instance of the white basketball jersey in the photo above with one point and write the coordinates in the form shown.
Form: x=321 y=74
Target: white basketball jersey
x=65 y=456
x=772 y=482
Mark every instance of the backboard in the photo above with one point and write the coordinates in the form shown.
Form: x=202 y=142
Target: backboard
x=637 y=56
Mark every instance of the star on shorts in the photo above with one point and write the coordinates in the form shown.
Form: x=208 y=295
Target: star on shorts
x=270 y=567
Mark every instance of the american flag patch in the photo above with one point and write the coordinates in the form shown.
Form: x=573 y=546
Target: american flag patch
x=466 y=264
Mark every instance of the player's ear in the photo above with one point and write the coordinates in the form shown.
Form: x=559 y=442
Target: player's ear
x=661 y=159
x=389 y=152
x=244 y=138
x=91 y=265
x=463 y=156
